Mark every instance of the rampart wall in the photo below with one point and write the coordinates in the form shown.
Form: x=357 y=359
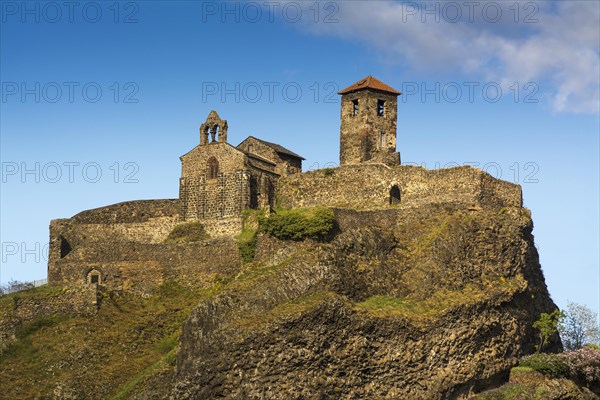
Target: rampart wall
x=369 y=186
x=124 y=244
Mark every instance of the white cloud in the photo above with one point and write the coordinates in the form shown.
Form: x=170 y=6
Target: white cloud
x=558 y=47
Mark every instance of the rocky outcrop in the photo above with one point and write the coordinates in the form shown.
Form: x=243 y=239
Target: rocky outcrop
x=424 y=303
x=526 y=384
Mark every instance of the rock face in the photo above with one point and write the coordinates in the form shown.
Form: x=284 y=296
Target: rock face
x=533 y=383
x=433 y=302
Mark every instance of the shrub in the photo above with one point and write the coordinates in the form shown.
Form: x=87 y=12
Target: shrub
x=298 y=224
x=247 y=246
x=186 y=233
x=554 y=365
x=584 y=366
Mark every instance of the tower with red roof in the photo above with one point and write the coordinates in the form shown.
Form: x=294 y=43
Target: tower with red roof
x=368 y=123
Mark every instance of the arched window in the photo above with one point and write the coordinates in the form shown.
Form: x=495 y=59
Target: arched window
x=394 y=195
x=213 y=168
x=214 y=133
x=380 y=108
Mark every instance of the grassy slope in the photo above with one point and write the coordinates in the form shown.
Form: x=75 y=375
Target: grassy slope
x=130 y=338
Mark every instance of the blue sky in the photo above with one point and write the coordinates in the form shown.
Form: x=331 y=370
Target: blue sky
x=100 y=100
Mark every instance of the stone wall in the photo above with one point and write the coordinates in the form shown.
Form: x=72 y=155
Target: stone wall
x=225 y=194
x=368 y=186
x=241 y=182
x=124 y=243
x=129 y=212
x=284 y=165
x=222 y=227
x=144 y=221
x=367 y=136
x=143 y=266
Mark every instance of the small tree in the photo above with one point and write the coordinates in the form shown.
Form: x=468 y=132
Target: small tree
x=547 y=325
x=579 y=327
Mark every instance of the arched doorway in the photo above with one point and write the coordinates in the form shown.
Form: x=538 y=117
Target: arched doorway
x=394 y=195
x=94 y=277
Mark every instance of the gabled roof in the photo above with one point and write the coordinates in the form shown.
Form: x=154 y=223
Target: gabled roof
x=224 y=144
x=369 y=82
x=261 y=159
x=278 y=148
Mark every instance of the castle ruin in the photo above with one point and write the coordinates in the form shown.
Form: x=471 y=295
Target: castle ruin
x=123 y=245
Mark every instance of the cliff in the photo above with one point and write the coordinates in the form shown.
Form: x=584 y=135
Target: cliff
x=423 y=303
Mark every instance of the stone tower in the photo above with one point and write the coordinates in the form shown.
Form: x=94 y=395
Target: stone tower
x=368 y=123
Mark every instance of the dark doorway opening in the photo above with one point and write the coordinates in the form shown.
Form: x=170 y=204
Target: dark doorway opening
x=65 y=247
x=394 y=195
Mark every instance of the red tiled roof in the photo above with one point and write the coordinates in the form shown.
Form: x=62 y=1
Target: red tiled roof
x=369 y=82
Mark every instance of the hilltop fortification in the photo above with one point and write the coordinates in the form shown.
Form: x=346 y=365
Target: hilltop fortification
x=123 y=245
x=372 y=280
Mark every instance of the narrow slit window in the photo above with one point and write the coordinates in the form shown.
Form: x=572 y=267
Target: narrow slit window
x=382 y=140
x=394 y=195
x=355 y=107
x=380 y=108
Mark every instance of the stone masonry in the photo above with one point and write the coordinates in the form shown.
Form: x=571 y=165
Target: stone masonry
x=219 y=181
x=368 y=123
x=122 y=245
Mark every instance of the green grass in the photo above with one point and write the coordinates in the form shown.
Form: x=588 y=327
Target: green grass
x=131 y=339
x=168 y=343
x=299 y=224
x=187 y=232
x=385 y=304
x=247 y=239
x=505 y=392
x=439 y=302
x=523 y=369
x=129 y=388
x=246 y=242
x=23 y=347
x=40 y=292
x=289 y=309
x=37 y=324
